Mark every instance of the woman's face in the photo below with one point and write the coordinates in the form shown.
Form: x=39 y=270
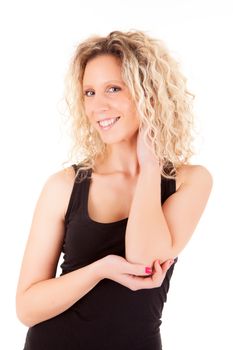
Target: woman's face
x=107 y=97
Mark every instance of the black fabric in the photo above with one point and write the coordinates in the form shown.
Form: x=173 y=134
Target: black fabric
x=110 y=316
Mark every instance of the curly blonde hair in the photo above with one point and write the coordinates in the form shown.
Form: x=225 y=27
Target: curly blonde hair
x=157 y=87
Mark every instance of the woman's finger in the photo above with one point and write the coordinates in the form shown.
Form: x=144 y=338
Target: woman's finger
x=157 y=266
x=143 y=282
x=138 y=269
x=167 y=264
x=154 y=280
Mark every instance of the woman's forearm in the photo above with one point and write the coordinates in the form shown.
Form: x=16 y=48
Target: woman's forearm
x=46 y=299
x=147 y=235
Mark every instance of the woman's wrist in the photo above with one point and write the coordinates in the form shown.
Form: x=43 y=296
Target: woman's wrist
x=99 y=268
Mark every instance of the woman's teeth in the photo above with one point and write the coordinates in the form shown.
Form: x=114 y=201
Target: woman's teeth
x=107 y=123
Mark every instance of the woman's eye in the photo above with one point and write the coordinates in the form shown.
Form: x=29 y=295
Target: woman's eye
x=112 y=87
x=86 y=93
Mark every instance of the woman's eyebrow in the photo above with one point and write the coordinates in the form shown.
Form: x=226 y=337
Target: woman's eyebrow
x=106 y=82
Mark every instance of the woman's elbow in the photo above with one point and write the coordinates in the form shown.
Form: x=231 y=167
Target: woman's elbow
x=21 y=312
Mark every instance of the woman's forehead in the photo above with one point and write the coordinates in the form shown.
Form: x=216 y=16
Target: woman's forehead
x=102 y=69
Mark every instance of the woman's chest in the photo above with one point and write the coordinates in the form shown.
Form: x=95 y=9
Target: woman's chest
x=109 y=201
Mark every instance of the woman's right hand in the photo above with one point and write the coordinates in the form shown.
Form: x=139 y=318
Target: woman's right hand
x=131 y=275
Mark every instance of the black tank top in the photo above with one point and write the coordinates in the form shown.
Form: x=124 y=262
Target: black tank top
x=110 y=316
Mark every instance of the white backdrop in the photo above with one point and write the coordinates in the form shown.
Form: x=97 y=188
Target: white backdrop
x=37 y=41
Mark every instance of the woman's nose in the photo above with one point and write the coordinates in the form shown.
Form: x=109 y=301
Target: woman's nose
x=100 y=102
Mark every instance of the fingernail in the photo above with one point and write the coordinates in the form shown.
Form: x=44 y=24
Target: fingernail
x=148 y=270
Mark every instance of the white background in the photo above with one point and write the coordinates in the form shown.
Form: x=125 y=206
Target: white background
x=37 y=41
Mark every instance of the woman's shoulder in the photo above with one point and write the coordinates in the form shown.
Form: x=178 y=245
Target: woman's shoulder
x=188 y=173
x=61 y=182
x=63 y=178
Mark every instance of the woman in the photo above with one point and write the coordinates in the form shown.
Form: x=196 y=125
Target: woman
x=120 y=215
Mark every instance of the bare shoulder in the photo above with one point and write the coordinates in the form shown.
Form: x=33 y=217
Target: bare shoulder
x=189 y=174
x=61 y=182
x=64 y=177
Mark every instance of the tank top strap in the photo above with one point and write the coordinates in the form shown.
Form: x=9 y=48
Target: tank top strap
x=75 y=166
x=77 y=197
x=168 y=187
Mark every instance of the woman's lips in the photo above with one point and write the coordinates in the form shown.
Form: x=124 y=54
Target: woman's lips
x=106 y=127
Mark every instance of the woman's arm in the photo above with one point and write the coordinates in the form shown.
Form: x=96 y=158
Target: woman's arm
x=40 y=295
x=155 y=232
x=46 y=299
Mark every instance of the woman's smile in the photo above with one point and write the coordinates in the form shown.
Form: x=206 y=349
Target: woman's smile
x=108 y=124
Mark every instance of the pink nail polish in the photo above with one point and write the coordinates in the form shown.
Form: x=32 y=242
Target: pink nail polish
x=148 y=270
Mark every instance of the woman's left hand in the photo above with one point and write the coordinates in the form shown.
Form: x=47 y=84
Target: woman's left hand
x=156 y=279
x=144 y=154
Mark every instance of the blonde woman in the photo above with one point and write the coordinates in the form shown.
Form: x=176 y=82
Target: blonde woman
x=123 y=213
